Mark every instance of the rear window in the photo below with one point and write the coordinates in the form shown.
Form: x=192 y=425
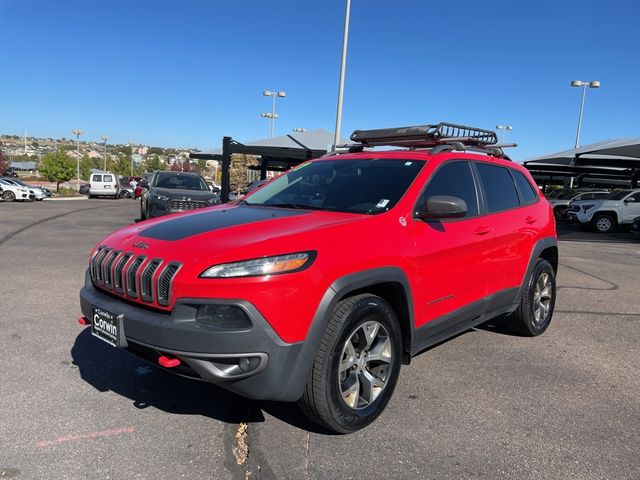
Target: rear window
x=108 y=178
x=97 y=178
x=529 y=195
x=499 y=189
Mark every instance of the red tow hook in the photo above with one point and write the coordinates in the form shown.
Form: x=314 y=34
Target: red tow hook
x=84 y=321
x=168 y=362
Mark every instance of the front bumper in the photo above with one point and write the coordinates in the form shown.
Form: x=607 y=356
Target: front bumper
x=253 y=362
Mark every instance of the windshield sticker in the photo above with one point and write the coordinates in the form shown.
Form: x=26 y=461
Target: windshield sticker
x=406 y=164
x=382 y=203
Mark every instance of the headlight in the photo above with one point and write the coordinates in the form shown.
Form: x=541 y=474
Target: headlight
x=162 y=198
x=213 y=201
x=292 y=262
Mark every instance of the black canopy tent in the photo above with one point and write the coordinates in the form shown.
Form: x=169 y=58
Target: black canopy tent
x=277 y=153
x=612 y=162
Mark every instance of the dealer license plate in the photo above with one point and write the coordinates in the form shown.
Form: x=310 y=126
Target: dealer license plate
x=108 y=327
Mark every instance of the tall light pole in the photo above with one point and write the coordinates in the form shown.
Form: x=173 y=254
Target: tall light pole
x=343 y=66
x=584 y=85
x=504 y=129
x=131 y=144
x=105 y=139
x=273 y=116
x=77 y=132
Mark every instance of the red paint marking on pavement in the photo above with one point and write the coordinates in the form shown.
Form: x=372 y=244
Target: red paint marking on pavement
x=85 y=436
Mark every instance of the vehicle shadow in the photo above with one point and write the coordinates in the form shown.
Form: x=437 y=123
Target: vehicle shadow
x=118 y=371
x=572 y=232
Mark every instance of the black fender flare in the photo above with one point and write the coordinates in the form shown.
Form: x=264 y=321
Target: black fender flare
x=338 y=290
x=540 y=246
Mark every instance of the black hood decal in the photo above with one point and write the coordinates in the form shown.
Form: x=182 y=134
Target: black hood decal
x=189 y=225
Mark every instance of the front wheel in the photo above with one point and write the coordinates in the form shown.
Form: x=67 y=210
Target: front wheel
x=356 y=367
x=603 y=223
x=537 y=303
x=9 y=196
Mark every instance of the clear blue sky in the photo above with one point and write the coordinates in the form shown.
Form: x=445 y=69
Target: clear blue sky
x=186 y=73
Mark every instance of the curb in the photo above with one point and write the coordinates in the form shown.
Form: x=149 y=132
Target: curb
x=63 y=199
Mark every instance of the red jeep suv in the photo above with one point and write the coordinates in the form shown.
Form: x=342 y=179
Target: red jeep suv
x=319 y=285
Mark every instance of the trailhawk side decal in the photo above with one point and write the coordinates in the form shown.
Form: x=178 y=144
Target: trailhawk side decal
x=186 y=226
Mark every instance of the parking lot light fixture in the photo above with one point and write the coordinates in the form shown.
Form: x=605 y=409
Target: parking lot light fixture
x=584 y=85
x=77 y=132
x=105 y=139
x=504 y=129
x=272 y=115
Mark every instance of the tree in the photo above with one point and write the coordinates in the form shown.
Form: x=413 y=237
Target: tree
x=4 y=165
x=86 y=164
x=122 y=165
x=57 y=167
x=153 y=163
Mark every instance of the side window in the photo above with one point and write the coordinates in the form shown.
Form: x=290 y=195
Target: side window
x=108 y=178
x=454 y=179
x=499 y=189
x=97 y=178
x=527 y=191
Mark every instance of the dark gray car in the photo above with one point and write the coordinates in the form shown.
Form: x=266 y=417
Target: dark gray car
x=170 y=192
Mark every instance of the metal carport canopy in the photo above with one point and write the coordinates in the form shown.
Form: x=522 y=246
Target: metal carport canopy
x=613 y=158
x=275 y=153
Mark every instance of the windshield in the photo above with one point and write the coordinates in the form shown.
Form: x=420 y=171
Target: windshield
x=176 y=181
x=358 y=186
x=619 y=195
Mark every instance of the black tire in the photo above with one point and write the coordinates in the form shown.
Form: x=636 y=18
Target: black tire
x=91 y=196
x=322 y=400
x=525 y=320
x=603 y=223
x=142 y=215
x=9 y=196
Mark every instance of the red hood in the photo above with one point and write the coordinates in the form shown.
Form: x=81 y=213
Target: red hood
x=229 y=233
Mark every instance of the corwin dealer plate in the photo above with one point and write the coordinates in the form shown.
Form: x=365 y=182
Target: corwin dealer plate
x=108 y=327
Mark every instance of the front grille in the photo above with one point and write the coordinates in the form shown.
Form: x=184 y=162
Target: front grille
x=146 y=285
x=164 y=283
x=132 y=276
x=187 y=205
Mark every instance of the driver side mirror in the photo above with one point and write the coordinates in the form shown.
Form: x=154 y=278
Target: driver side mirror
x=441 y=207
x=630 y=200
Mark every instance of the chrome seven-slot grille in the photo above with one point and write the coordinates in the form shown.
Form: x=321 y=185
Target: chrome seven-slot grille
x=132 y=276
x=187 y=205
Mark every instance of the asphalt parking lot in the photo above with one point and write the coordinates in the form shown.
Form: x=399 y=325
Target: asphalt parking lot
x=485 y=404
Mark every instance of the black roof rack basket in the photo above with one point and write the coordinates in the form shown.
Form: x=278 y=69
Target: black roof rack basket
x=425 y=136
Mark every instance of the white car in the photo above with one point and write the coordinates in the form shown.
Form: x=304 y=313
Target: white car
x=560 y=203
x=619 y=208
x=39 y=193
x=11 y=192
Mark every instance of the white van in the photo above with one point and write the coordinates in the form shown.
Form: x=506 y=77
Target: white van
x=103 y=184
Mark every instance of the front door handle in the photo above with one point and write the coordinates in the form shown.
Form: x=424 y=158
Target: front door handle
x=530 y=220
x=482 y=230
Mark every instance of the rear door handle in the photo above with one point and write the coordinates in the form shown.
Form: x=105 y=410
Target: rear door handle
x=482 y=230
x=530 y=220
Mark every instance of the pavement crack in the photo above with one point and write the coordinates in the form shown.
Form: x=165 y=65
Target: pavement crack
x=241 y=448
x=612 y=286
x=306 y=458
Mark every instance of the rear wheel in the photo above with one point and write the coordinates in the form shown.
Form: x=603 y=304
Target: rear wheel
x=9 y=196
x=603 y=223
x=356 y=367
x=537 y=303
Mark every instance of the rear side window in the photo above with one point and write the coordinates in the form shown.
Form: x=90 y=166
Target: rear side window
x=454 y=179
x=108 y=178
x=499 y=189
x=97 y=178
x=529 y=195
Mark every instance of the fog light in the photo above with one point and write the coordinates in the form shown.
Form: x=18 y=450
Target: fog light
x=223 y=316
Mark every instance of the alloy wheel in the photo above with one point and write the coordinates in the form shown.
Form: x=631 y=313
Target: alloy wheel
x=365 y=365
x=542 y=297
